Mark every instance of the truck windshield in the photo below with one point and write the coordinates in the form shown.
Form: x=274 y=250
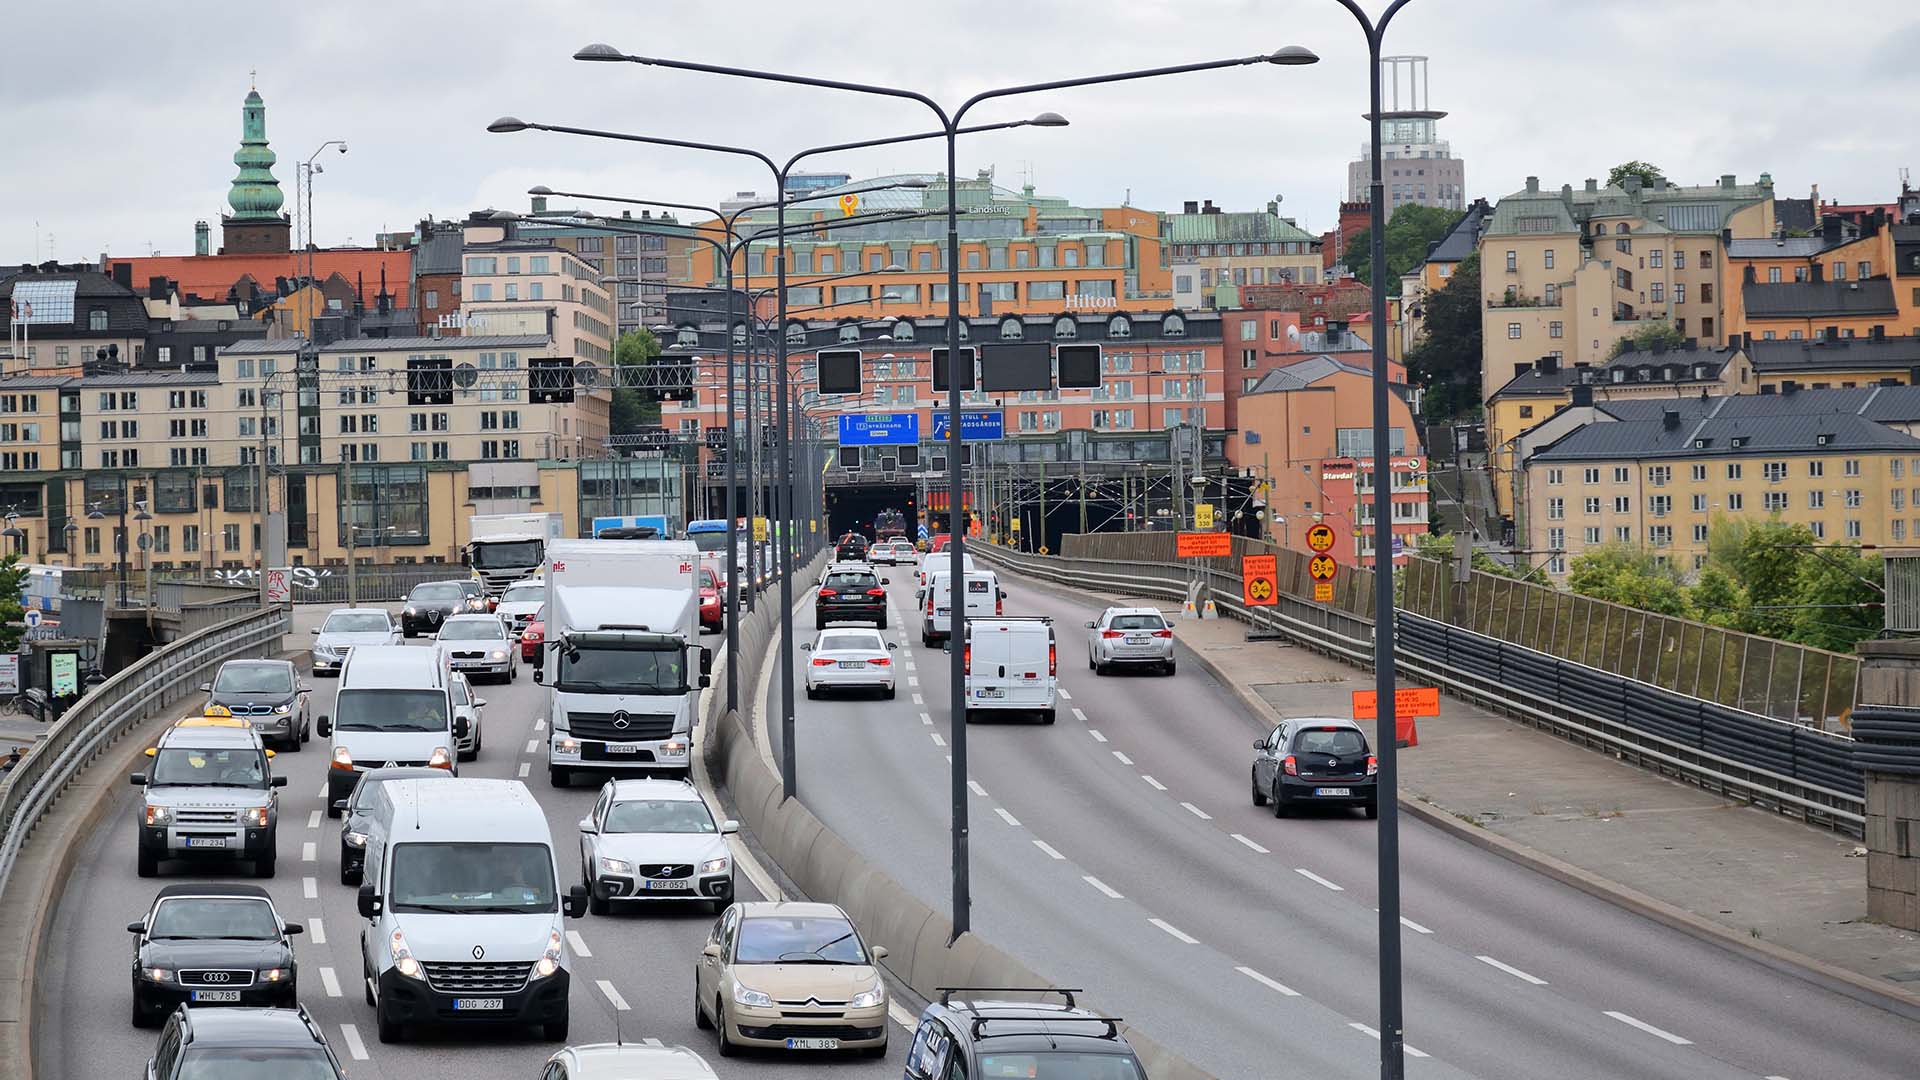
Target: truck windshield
x=460 y=879
x=191 y=767
x=1060 y=1065
x=391 y=710
x=608 y=669
x=709 y=541
x=504 y=554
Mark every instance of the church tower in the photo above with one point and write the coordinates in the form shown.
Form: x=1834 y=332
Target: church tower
x=256 y=226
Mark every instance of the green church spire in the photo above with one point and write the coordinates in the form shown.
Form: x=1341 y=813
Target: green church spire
x=256 y=194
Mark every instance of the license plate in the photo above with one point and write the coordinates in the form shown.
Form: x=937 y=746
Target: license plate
x=479 y=1004
x=1336 y=791
x=813 y=1044
x=206 y=841
x=855 y=664
x=990 y=692
x=622 y=748
x=941 y=610
x=1137 y=639
x=666 y=885
x=216 y=995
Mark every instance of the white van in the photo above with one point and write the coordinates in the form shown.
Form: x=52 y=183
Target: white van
x=394 y=709
x=464 y=910
x=939 y=562
x=1011 y=664
x=984 y=597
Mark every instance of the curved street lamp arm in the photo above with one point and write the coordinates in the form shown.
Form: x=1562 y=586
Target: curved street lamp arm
x=1096 y=80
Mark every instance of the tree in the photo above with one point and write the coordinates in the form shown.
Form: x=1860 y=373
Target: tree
x=1630 y=576
x=1839 y=598
x=633 y=409
x=1410 y=232
x=1650 y=333
x=1647 y=173
x=1438 y=546
x=1765 y=557
x=13 y=575
x=1718 y=598
x=1447 y=358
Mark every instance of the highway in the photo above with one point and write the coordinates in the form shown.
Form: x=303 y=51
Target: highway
x=643 y=960
x=1119 y=851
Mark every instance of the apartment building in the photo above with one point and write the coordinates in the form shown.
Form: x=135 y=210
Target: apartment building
x=1216 y=253
x=1818 y=458
x=1847 y=280
x=1834 y=361
x=58 y=320
x=511 y=284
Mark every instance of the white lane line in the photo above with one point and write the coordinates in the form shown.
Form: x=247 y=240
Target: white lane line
x=1078 y=715
x=913 y=680
x=1197 y=812
x=1178 y=934
x=1511 y=970
x=974 y=786
x=1316 y=878
x=1006 y=817
x=313 y=820
x=1124 y=759
x=323 y=791
x=355 y=1048
x=309 y=852
x=1097 y=737
x=1064 y=696
x=1048 y=848
x=1157 y=785
x=525 y=768
x=926 y=718
x=330 y=981
x=1101 y=885
x=1649 y=1028
x=1251 y=844
x=1375 y=1035
x=918 y=700
x=532 y=745
x=578 y=944
x=937 y=740
x=309 y=888
x=540 y=724
x=1278 y=987
x=317 y=931
x=613 y=996
x=1414 y=926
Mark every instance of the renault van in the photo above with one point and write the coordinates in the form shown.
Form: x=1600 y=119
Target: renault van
x=394 y=710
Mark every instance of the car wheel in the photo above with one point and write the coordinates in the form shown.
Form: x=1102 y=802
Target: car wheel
x=1259 y=797
x=141 y=1017
x=1279 y=804
x=1168 y=669
x=596 y=903
x=293 y=743
x=887 y=692
x=882 y=624
x=726 y=1048
x=513 y=672
x=306 y=730
x=149 y=864
x=366 y=982
x=264 y=868
x=699 y=1014
x=1373 y=811
x=813 y=694
x=1046 y=716
x=1090 y=664
x=390 y=1031
x=559 y=777
x=555 y=1030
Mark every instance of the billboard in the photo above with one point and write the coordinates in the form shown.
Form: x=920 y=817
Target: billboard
x=1024 y=365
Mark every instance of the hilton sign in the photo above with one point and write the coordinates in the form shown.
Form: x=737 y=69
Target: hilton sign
x=1089 y=302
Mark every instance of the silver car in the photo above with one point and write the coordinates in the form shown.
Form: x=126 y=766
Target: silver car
x=653 y=840
x=479 y=645
x=1130 y=637
x=466 y=706
x=345 y=628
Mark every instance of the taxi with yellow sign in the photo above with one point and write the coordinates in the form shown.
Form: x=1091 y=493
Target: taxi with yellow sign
x=208 y=792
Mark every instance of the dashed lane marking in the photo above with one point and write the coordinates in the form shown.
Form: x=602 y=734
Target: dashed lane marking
x=309 y=852
x=532 y=745
x=1078 y=715
x=1048 y=848
x=937 y=740
x=1064 y=696
x=1316 y=878
x=313 y=820
x=540 y=724
x=918 y=700
x=1373 y=1034
x=323 y=791
x=1414 y=926
x=355 y=1048
x=1006 y=817
x=330 y=981
x=1124 y=759
x=1097 y=737
x=1197 y=812
x=1178 y=934
x=1251 y=844
x=1101 y=885
x=309 y=888
x=612 y=995
x=1157 y=785
x=1511 y=970
x=525 y=768
x=926 y=718
x=1278 y=987
x=974 y=786
x=913 y=680
x=317 y=930
x=1649 y=1028
x=578 y=944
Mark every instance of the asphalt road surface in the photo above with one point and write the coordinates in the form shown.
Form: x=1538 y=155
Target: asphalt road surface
x=1118 y=850
x=645 y=959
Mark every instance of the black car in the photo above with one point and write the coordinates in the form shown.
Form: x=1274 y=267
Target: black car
x=211 y=945
x=357 y=807
x=851 y=594
x=477 y=600
x=429 y=604
x=1315 y=761
x=269 y=695
x=1018 y=1038
x=283 y=1043
x=852 y=548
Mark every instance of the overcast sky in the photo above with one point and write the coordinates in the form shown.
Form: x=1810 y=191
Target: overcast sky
x=119 y=144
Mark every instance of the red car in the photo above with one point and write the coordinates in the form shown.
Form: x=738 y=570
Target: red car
x=711 y=611
x=533 y=638
x=939 y=543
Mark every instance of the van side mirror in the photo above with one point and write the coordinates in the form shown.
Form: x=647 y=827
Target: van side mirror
x=278 y=781
x=323 y=725
x=370 y=902
x=460 y=727
x=138 y=779
x=576 y=905
x=706 y=661
x=705 y=681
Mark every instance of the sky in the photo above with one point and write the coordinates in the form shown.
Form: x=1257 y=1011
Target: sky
x=121 y=145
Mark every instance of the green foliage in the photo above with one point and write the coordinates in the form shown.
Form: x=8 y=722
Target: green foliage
x=1718 y=597
x=1838 y=589
x=1647 y=173
x=1438 y=546
x=632 y=409
x=1410 y=231
x=1650 y=333
x=1630 y=576
x=1447 y=358
x=13 y=575
x=1765 y=557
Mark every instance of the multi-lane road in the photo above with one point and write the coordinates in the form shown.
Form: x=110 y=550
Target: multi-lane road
x=1118 y=850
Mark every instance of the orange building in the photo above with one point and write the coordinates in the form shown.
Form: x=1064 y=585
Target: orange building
x=1844 y=281
x=214 y=277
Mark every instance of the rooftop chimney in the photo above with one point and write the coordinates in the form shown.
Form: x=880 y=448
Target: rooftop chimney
x=1533 y=185
x=1190 y=207
x=1633 y=183
x=1520 y=368
x=1582 y=395
x=1727 y=181
x=200 y=238
x=156 y=288
x=1548 y=365
x=1592 y=184
x=1788 y=386
x=1208 y=207
x=1273 y=208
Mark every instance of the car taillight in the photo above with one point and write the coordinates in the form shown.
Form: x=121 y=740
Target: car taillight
x=929 y=603
x=821 y=661
x=966 y=660
x=881 y=661
x=1111 y=634
x=1287 y=764
x=824 y=593
x=999 y=606
x=876 y=592
x=1053 y=660
x=1373 y=765
x=1163 y=633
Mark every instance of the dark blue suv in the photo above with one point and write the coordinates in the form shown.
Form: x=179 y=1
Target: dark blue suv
x=984 y=1038
x=201 y=1044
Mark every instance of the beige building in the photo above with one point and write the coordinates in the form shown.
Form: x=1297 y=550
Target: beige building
x=1214 y=253
x=511 y=285
x=1568 y=274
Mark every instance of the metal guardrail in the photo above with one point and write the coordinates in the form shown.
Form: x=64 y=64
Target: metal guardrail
x=110 y=710
x=1787 y=767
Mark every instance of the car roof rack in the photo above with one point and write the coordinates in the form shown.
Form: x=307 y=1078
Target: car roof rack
x=1067 y=992
x=980 y=1025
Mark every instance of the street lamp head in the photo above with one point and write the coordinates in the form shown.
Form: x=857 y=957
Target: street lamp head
x=508 y=123
x=539 y=189
x=1048 y=119
x=600 y=51
x=1294 y=56
x=343 y=147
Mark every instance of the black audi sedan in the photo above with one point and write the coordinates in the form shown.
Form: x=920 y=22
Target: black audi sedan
x=205 y=944
x=429 y=604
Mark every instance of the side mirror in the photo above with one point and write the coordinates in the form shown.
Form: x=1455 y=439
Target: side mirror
x=713 y=951
x=586 y=825
x=138 y=779
x=576 y=902
x=206 y=688
x=806 y=646
x=340 y=806
x=893 y=644
x=460 y=727
x=293 y=928
x=369 y=902
x=540 y=674
x=479 y=703
x=1090 y=625
x=1260 y=744
x=1003 y=594
x=136 y=928
x=706 y=661
x=729 y=827
x=706 y=681
x=886 y=581
x=323 y=725
x=879 y=952
x=153 y=751
x=278 y=781
x=315 y=631
x=305 y=689
x=270 y=755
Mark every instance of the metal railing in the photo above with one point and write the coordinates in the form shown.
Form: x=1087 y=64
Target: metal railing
x=114 y=707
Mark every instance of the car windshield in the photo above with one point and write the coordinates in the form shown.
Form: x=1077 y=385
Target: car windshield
x=357 y=622
x=591 y=669
x=779 y=939
x=1330 y=741
x=1138 y=622
x=487 y=629
x=659 y=816
x=1058 y=1065
x=852 y=582
x=525 y=594
x=492 y=555
x=266 y=1063
x=209 y=917
x=253 y=679
x=225 y=767
x=391 y=710
x=444 y=592
x=455 y=878
x=854 y=642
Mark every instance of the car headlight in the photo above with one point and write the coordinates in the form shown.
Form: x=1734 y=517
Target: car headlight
x=255 y=816
x=440 y=759
x=159 y=815
x=673 y=747
x=568 y=746
x=342 y=759
x=715 y=866
x=355 y=839
x=274 y=975
x=867 y=999
x=753 y=998
x=499 y=654
x=158 y=974
x=615 y=866
x=409 y=610
x=403 y=961
x=550 y=960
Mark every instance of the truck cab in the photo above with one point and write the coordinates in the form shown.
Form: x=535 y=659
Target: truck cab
x=505 y=548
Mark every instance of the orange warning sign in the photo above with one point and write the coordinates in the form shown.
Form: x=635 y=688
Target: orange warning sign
x=1323 y=592
x=1408 y=701
x=1260 y=580
x=1202 y=545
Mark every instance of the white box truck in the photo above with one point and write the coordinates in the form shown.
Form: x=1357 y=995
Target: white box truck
x=504 y=548
x=622 y=656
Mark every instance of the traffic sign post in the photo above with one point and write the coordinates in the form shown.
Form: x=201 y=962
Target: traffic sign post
x=1260 y=580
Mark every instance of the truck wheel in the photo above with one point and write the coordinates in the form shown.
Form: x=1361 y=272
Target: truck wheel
x=149 y=864
x=558 y=776
x=390 y=1031
x=1046 y=716
x=555 y=1030
x=264 y=868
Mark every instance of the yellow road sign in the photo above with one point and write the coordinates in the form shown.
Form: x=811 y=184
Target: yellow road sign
x=1320 y=537
x=1203 y=515
x=1321 y=568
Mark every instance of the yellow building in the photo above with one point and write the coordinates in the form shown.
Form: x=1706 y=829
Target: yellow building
x=1813 y=458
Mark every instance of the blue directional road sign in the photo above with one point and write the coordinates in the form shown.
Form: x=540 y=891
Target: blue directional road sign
x=879 y=429
x=655 y=521
x=987 y=426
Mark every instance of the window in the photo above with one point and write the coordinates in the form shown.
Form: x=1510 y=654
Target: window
x=1549 y=258
x=1555 y=329
x=1623 y=534
x=1659 y=475
x=1556 y=476
x=1853 y=528
x=1899 y=499
x=1699 y=502
x=1865 y=269
x=1593 y=506
x=1590 y=476
x=1556 y=508
x=1775 y=500
x=230 y=537
x=1736 y=502
x=1513 y=331
x=1526 y=412
x=1622 y=504
x=1775 y=471
x=1816 y=499
x=1656 y=257
x=1660 y=505
x=1733 y=470
x=1622 y=474
x=1513 y=261
x=1660 y=535
x=1852 y=498
x=1659 y=292
x=1773 y=275
x=1851 y=467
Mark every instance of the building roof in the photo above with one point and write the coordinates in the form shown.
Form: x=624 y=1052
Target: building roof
x=1254 y=225
x=152 y=378
x=1531 y=214
x=1782 y=247
x=290 y=345
x=63 y=302
x=1818 y=299
x=1670 y=367
x=1795 y=215
x=1305 y=373
x=1662 y=206
x=34 y=382
x=1747 y=424
x=1464 y=238
x=210 y=276
x=439 y=253
x=1837 y=354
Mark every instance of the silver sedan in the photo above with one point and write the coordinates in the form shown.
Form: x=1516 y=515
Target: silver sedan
x=1129 y=637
